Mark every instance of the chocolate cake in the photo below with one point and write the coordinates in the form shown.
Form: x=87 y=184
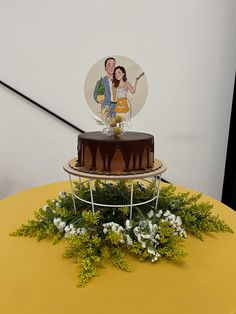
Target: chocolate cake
x=126 y=153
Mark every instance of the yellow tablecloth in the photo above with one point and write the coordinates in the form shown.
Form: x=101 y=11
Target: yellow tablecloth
x=35 y=279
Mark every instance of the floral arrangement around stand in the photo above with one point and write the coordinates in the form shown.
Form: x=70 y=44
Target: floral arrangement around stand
x=109 y=233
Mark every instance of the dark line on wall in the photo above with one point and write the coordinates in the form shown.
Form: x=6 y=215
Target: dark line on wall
x=41 y=107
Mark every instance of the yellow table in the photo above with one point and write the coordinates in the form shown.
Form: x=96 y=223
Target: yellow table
x=35 y=279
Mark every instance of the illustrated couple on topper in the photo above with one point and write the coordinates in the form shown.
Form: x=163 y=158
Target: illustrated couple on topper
x=111 y=90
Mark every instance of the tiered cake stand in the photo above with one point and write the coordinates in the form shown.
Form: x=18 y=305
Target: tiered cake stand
x=153 y=177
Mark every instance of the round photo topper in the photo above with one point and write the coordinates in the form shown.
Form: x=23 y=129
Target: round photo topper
x=115 y=90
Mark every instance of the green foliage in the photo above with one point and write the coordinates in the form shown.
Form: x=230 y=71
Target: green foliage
x=118 y=258
x=196 y=216
x=93 y=237
x=171 y=245
x=138 y=250
x=88 y=253
x=101 y=88
x=90 y=218
x=41 y=227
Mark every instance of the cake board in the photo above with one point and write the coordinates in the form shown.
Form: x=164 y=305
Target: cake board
x=154 y=173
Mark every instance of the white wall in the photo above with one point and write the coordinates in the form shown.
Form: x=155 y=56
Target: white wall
x=187 y=49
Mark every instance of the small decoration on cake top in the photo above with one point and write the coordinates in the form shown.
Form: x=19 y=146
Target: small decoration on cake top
x=117 y=96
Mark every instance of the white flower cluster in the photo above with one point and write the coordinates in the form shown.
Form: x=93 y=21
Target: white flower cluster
x=59 y=223
x=113 y=227
x=68 y=229
x=176 y=223
x=71 y=230
x=147 y=234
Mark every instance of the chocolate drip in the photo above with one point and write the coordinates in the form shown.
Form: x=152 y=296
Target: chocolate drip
x=131 y=144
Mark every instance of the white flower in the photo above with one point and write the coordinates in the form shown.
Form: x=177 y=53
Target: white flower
x=151 y=251
x=62 y=194
x=143 y=245
x=45 y=208
x=167 y=213
x=154 y=259
x=150 y=224
x=58 y=204
x=139 y=237
x=150 y=214
x=146 y=236
x=120 y=228
x=61 y=225
x=172 y=217
x=105 y=230
x=67 y=229
x=129 y=240
x=158 y=215
x=178 y=221
x=128 y=224
x=56 y=221
x=81 y=230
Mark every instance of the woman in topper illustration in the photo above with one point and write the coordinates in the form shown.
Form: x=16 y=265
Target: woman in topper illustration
x=121 y=86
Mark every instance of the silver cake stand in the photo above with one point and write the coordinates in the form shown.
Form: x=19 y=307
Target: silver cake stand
x=153 y=177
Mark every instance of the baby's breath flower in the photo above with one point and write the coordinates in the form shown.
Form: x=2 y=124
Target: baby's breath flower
x=151 y=251
x=128 y=224
x=159 y=213
x=45 y=208
x=67 y=229
x=150 y=214
x=167 y=213
x=61 y=225
x=62 y=194
x=129 y=240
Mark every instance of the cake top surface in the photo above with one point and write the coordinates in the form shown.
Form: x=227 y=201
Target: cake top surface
x=127 y=136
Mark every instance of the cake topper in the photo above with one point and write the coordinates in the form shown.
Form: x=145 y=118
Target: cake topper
x=115 y=90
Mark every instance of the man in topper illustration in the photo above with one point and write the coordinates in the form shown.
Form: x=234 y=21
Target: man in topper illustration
x=104 y=92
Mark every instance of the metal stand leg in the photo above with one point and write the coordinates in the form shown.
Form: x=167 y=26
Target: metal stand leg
x=154 y=185
x=72 y=190
x=80 y=184
x=158 y=191
x=131 y=199
x=91 y=194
